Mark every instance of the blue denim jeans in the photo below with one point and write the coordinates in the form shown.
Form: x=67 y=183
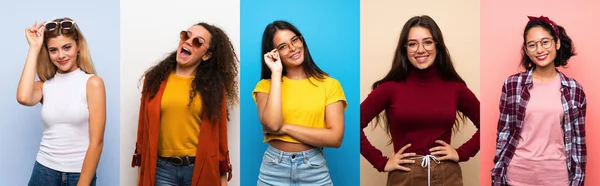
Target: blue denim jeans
x=294 y=168
x=44 y=176
x=168 y=174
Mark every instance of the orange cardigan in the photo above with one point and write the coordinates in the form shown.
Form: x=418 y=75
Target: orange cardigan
x=212 y=156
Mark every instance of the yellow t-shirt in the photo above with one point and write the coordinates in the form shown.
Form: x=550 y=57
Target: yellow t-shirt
x=302 y=102
x=179 y=123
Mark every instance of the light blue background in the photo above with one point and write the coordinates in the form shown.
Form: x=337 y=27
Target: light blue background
x=21 y=126
x=332 y=32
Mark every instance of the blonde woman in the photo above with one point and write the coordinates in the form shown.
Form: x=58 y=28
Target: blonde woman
x=73 y=103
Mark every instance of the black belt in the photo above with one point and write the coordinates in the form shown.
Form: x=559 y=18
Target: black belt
x=179 y=161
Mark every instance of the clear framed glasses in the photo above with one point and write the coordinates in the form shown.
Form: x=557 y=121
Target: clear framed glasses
x=412 y=46
x=284 y=48
x=546 y=43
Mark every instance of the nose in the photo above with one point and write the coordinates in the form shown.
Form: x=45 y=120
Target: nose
x=292 y=48
x=420 y=48
x=538 y=48
x=61 y=54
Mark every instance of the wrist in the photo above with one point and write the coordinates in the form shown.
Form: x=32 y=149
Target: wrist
x=276 y=73
x=35 y=48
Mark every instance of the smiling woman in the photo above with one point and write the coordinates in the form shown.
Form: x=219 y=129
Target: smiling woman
x=421 y=69
x=183 y=112
x=73 y=101
x=301 y=110
x=541 y=128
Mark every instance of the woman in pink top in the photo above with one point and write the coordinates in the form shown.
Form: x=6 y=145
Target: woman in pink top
x=541 y=130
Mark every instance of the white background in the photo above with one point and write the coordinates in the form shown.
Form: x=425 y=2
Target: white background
x=149 y=31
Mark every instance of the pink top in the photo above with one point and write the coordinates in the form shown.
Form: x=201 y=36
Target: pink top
x=540 y=154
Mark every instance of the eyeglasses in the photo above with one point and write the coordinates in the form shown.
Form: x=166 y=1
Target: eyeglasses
x=196 y=42
x=531 y=46
x=413 y=46
x=284 y=48
x=65 y=25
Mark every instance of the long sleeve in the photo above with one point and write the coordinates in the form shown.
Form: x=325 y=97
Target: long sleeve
x=224 y=161
x=498 y=172
x=137 y=157
x=373 y=105
x=580 y=155
x=469 y=105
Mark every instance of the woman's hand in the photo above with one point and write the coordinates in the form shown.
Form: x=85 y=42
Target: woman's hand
x=395 y=162
x=273 y=61
x=35 y=35
x=446 y=151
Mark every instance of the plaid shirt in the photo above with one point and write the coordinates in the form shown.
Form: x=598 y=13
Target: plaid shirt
x=513 y=102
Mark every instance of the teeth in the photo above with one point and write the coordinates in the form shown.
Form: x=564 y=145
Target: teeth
x=187 y=50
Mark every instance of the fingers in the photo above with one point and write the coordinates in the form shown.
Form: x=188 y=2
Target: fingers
x=406 y=155
x=403 y=148
x=441 y=152
x=402 y=168
x=40 y=25
x=406 y=161
x=438 y=148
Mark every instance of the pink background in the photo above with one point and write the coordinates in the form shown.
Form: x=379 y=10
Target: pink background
x=502 y=24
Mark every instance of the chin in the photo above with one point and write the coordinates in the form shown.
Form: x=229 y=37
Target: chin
x=543 y=64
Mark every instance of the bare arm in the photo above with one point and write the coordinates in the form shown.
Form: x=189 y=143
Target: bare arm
x=29 y=92
x=331 y=136
x=269 y=105
x=96 y=97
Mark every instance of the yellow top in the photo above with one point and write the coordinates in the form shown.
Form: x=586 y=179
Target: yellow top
x=302 y=102
x=179 y=123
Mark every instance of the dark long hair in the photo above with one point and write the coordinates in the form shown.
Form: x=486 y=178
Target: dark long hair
x=401 y=66
x=310 y=67
x=566 y=51
x=214 y=78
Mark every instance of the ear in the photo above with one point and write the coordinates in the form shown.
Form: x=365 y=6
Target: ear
x=207 y=56
x=558 y=44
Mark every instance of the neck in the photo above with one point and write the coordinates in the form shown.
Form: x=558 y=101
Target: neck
x=75 y=67
x=422 y=74
x=296 y=73
x=547 y=72
x=184 y=71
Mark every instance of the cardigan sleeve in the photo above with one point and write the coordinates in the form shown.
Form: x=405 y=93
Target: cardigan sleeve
x=137 y=156
x=224 y=161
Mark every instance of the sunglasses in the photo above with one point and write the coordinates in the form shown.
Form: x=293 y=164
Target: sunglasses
x=65 y=25
x=196 y=42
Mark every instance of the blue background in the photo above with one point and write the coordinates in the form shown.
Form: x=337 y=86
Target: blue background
x=332 y=32
x=21 y=126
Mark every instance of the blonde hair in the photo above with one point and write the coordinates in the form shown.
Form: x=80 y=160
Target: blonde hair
x=46 y=69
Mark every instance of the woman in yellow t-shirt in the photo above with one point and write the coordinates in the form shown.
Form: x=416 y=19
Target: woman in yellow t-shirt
x=301 y=111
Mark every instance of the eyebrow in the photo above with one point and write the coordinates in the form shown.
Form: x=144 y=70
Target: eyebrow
x=60 y=46
x=529 y=42
x=286 y=41
x=421 y=39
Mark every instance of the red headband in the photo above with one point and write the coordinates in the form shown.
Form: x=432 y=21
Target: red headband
x=546 y=20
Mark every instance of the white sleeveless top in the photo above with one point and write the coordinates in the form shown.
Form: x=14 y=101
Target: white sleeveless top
x=65 y=136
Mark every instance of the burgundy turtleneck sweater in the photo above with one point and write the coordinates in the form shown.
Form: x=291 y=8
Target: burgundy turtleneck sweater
x=420 y=110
